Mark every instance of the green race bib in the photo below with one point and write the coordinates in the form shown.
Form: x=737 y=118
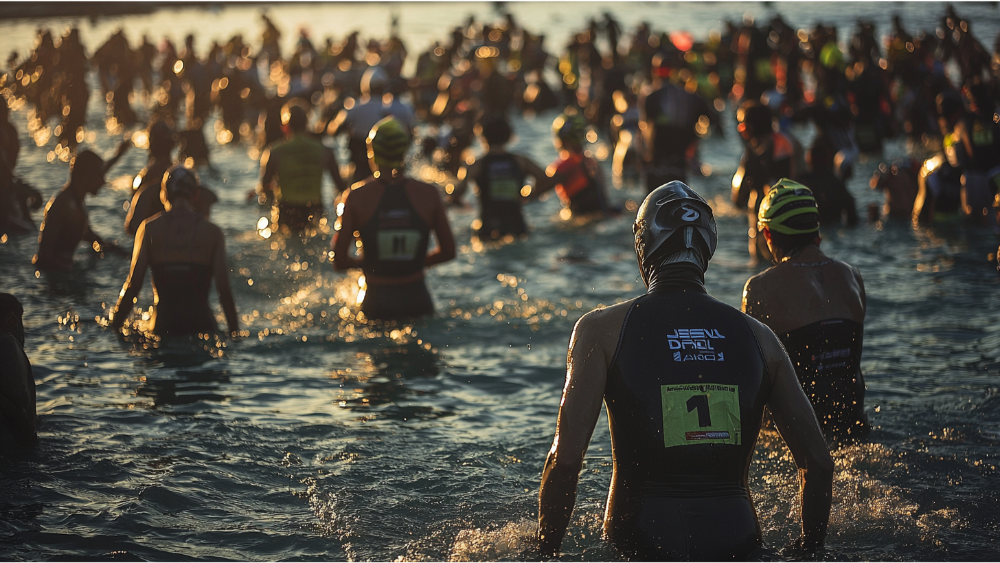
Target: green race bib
x=398 y=244
x=700 y=414
x=505 y=189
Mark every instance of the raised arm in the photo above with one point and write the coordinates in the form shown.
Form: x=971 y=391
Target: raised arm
x=220 y=271
x=796 y=422
x=586 y=373
x=133 y=284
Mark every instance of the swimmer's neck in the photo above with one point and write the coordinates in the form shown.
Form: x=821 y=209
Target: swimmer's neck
x=806 y=253
x=679 y=276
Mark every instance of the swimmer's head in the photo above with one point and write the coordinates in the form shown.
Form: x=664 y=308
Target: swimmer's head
x=161 y=138
x=11 y=313
x=754 y=120
x=294 y=117
x=496 y=130
x=674 y=224
x=179 y=183
x=87 y=170
x=387 y=142
x=571 y=130
x=789 y=216
x=373 y=81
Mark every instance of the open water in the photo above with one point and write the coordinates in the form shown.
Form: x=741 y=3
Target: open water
x=319 y=437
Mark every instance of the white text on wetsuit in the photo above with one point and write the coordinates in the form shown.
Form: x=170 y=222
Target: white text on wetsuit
x=695 y=344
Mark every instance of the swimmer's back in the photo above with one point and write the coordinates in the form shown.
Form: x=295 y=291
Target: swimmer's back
x=810 y=288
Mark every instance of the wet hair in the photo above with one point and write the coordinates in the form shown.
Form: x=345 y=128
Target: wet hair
x=496 y=130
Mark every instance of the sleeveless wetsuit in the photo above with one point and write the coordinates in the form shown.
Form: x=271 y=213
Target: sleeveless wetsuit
x=395 y=244
x=685 y=395
x=500 y=182
x=182 y=298
x=827 y=360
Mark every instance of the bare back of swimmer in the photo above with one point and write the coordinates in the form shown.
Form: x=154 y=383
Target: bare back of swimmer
x=185 y=253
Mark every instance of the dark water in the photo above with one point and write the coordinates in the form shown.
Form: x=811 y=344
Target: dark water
x=322 y=438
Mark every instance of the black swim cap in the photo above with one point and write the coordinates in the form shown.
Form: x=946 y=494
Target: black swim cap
x=673 y=219
x=161 y=137
x=179 y=182
x=496 y=130
x=755 y=117
x=86 y=162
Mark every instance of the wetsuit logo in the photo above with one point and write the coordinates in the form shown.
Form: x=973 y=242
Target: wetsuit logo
x=695 y=344
x=690 y=214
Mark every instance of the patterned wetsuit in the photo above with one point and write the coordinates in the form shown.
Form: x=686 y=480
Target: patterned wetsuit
x=685 y=396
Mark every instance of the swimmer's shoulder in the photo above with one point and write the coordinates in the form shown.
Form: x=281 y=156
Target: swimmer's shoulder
x=605 y=322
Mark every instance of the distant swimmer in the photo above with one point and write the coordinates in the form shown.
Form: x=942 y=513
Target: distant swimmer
x=501 y=178
x=816 y=306
x=292 y=172
x=685 y=379
x=393 y=216
x=576 y=177
x=185 y=252
x=358 y=119
x=17 y=385
x=67 y=222
x=146 y=185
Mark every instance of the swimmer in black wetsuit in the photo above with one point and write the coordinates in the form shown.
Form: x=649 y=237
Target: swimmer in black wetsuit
x=685 y=380
x=393 y=216
x=17 y=385
x=816 y=306
x=500 y=177
x=185 y=252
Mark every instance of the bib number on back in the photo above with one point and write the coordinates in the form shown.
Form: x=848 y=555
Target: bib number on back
x=700 y=414
x=398 y=244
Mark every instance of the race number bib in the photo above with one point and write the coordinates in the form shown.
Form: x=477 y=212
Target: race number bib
x=398 y=244
x=700 y=414
x=505 y=189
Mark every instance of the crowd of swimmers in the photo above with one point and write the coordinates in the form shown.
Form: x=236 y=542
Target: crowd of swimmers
x=683 y=437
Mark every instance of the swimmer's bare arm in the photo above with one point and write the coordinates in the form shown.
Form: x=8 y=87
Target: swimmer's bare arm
x=442 y=230
x=48 y=235
x=122 y=149
x=268 y=169
x=342 y=259
x=221 y=274
x=543 y=182
x=591 y=350
x=464 y=173
x=796 y=422
x=333 y=167
x=133 y=284
x=17 y=391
